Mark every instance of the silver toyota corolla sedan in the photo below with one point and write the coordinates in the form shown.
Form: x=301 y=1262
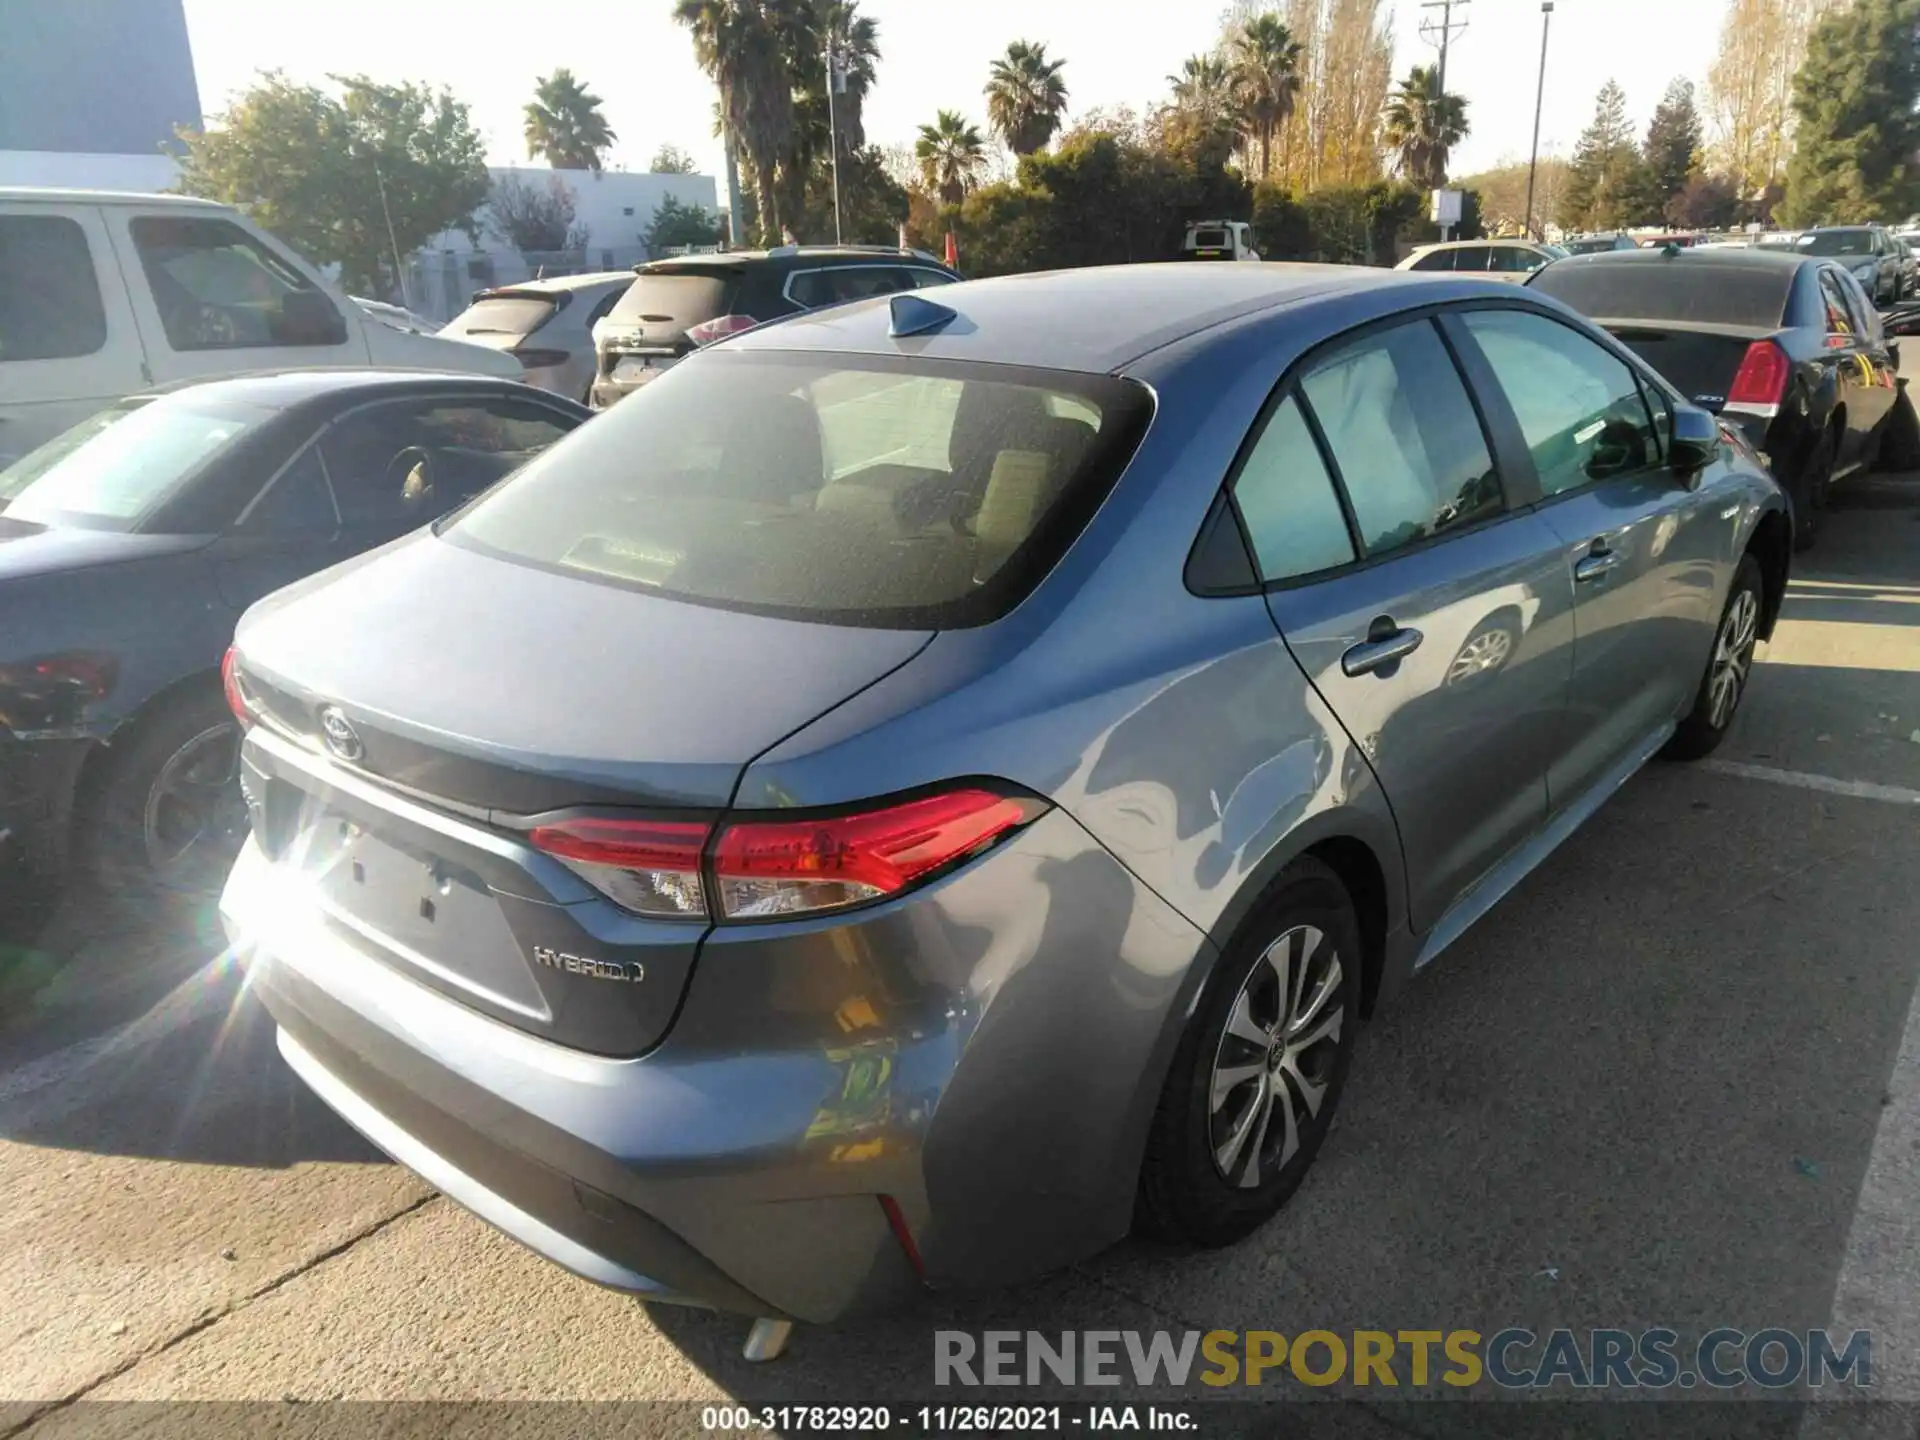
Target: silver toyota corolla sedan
x=928 y=782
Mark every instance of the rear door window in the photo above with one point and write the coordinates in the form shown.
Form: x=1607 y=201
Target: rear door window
x=1436 y=260
x=1473 y=258
x=1288 y=503
x=838 y=284
x=297 y=501
x=1404 y=436
x=50 y=306
x=1579 y=406
x=839 y=488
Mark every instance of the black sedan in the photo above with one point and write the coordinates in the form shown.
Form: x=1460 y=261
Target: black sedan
x=1786 y=345
x=130 y=545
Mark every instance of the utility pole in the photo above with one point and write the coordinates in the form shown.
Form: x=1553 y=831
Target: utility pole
x=836 y=85
x=1539 y=95
x=1441 y=32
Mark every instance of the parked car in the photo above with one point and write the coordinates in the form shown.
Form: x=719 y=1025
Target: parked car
x=1681 y=240
x=1786 y=346
x=129 y=546
x=547 y=325
x=679 y=304
x=1867 y=251
x=104 y=294
x=1595 y=244
x=1908 y=248
x=397 y=316
x=922 y=784
x=1218 y=240
x=1509 y=260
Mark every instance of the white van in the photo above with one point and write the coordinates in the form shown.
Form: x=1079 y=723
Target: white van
x=104 y=294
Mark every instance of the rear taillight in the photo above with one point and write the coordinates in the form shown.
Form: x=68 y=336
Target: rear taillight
x=540 y=359
x=1761 y=381
x=237 y=702
x=797 y=867
x=768 y=869
x=651 y=867
x=718 y=329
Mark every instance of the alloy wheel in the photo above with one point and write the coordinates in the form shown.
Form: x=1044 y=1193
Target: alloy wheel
x=195 y=815
x=1732 y=658
x=1276 y=1057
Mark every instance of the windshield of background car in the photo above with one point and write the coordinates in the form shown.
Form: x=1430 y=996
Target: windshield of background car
x=679 y=297
x=1837 y=242
x=501 y=319
x=1676 y=289
x=117 y=466
x=846 y=489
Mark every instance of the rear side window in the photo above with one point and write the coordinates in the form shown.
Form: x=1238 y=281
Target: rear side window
x=1834 y=299
x=1436 y=260
x=1404 y=436
x=813 y=288
x=1288 y=503
x=1579 y=407
x=1472 y=258
x=852 y=490
x=678 y=298
x=298 y=501
x=1692 y=289
x=50 y=306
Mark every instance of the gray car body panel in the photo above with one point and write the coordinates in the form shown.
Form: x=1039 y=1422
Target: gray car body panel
x=988 y=1051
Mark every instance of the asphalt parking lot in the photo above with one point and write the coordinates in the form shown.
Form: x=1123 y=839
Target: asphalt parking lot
x=1675 y=1078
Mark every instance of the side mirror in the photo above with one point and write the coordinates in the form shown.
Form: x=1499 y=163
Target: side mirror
x=1695 y=442
x=307 y=317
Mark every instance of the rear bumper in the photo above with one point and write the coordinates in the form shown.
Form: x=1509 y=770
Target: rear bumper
x=607 y=391
x=986 y=1054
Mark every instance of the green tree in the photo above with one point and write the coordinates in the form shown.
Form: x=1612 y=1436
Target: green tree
x=670 y=160
x=564 y=124
x=329 y=173
x=1204 y=88
x=1423 y=124
x=677 y=224
x=1855 y=99
x=1671 y=150
x=950 y=152
x=1265 y=64
x=1604 y=186
x=1026 y=98
x=744 y=46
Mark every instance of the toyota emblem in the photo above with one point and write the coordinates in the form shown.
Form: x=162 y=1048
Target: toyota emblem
x=339 y=736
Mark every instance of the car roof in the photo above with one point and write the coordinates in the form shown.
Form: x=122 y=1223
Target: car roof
x=56 y=196
x=284 y=389
x=556 y=283
x=1468 y=244
x=795 y=256
x=1098 y=319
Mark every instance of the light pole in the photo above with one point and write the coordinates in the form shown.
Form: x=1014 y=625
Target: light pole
x=1539 y=95
x=836 y=85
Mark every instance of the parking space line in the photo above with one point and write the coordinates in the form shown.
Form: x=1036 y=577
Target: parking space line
x=1825 y=784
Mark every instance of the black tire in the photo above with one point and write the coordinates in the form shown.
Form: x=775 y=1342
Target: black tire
x=1900 y=436
x=1807 y=491
x=1184 y=1195
x=194 y=733
x=1706 y=726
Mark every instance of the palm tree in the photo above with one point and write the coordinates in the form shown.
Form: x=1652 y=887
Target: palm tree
x=741 y=44
x=1026 y=98
x=1423 y=124
x=1203 y=87
x=564 y=123
x=950 y=152
x=1265 y=66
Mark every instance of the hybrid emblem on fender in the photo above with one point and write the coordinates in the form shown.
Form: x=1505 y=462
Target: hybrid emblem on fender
x=338 y=735
x=632 y=972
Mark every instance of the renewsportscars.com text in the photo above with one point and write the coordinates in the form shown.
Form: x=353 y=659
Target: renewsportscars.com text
x=1512 y=1359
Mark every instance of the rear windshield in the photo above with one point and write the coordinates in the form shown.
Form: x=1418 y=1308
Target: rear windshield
x=848 y=489
x=681 y=297
x=1686 y=291
x=1837 y=242
x=1209 y=239
x=502 y=315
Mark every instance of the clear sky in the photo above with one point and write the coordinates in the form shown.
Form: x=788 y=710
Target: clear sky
x=933 y=55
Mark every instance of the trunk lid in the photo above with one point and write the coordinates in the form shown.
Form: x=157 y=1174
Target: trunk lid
x=1700 y=361
x=497 y=692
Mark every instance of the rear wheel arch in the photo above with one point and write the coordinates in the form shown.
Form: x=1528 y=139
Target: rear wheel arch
x=96 y=772
x=1771 y=546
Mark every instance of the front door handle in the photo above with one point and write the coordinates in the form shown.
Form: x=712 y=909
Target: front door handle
x=1596 y=564
x=1386 y=643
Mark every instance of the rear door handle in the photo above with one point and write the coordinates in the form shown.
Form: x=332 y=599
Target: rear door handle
x=1385 y=644
x=1596 y=564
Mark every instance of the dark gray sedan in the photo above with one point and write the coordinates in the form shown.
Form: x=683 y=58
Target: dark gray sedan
x=921 y=785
